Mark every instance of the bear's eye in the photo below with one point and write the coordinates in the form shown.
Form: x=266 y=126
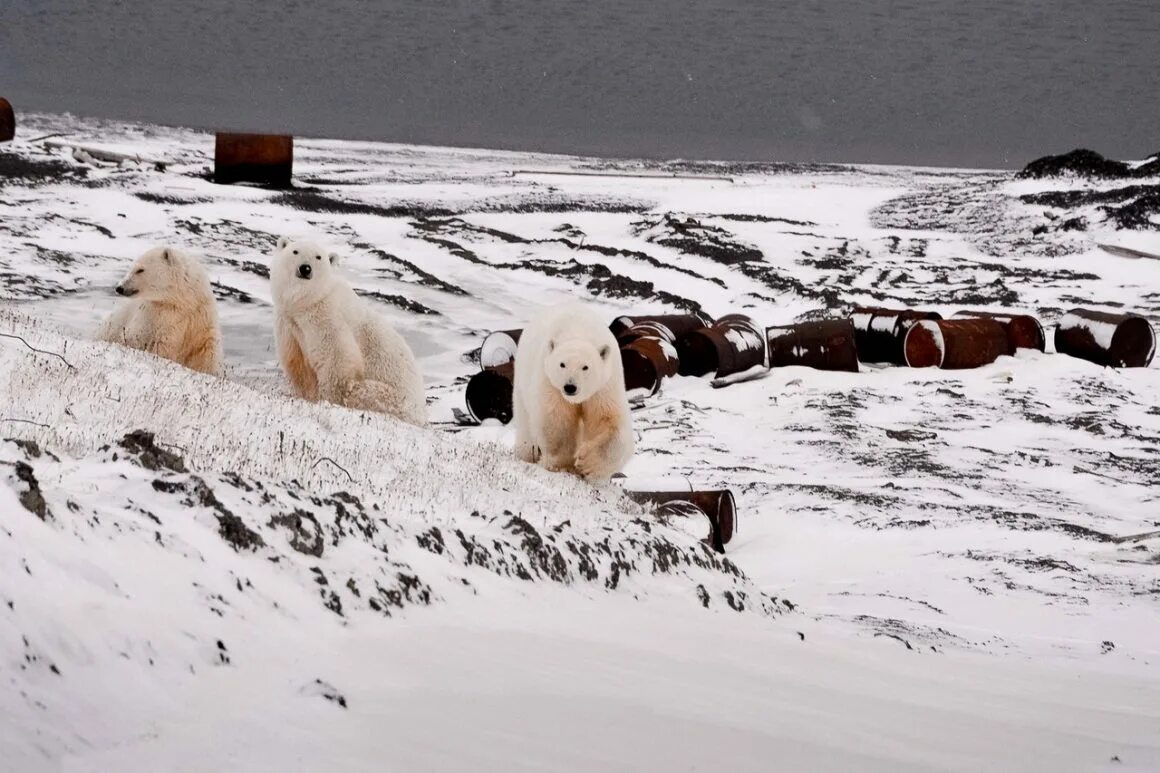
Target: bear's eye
x=295 y=252
x=139 y=271
x=584 y=368
x=561 y=364
x=318 y=257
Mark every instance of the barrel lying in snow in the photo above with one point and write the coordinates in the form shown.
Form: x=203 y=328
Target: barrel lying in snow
x=489 y=393
x=1112 y=340
x=954 y=343
x=825 y=345
x=1023 y=331
x=719 y=507
x=7 y=120
x=648 y=357
x=499 y=347
x=734 y=345
x=266 y=159
x=879 y=333
x=677 y=324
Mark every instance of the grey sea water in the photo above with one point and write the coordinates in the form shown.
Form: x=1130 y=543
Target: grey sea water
x=948 y=82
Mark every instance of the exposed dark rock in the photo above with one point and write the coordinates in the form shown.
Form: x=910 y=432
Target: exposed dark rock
x=1081 y=163
x=19 y=170
x=305 y=531
x=31 y=498
x=141 y=444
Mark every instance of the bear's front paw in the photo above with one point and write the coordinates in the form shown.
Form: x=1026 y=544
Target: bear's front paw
x=591 y=464
x=557 y=464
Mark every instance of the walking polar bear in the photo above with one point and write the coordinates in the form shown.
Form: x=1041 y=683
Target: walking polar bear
x=332 y=345
x=570 y=408
x=169 y=310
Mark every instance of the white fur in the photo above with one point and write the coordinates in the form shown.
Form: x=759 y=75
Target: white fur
x=331 y=343
x=169 y=311
x=588 y=432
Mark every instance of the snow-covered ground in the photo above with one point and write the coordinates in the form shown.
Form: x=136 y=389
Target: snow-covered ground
x=926 y=573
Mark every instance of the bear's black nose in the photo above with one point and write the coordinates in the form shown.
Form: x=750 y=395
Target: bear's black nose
x=305 y=270
x=120 y=290
x=569 y=389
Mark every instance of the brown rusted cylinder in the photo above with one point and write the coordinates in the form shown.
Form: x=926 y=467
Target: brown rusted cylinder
x=489 y=393
x=1023 y=331
x=499 y=347
x=267 y=159
x=879 y=333
x=718 y=506
x=7 y=121
x=647 y=361
x=827 y=344
x=1111 y=340
x=677 y=324
x=954 y=344
x=734 y=343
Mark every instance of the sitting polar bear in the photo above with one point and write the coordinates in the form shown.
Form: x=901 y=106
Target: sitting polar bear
x=332 y=345
x=169 y=310
x=570 y=407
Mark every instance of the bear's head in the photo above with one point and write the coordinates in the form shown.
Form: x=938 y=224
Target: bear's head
x=155 y=274
x=301 y=272
x=577 y=368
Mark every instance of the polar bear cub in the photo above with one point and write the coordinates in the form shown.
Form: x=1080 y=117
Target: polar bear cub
x=169 y=310
x=332 y=345
x=570 y=408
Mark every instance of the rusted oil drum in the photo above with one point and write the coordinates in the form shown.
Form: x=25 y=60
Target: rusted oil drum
x=677 y=324
x=827 y=344
x=489 y=393
x=954 y=344
x=734 y=344
x=1111 y=340
x=499 y=347
x=1023 y=330
x=719 y=507
x=266 y=159
x=7 y=121
x=879 y=333
x=647 y=361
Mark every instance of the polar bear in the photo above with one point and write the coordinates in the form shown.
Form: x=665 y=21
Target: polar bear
x=169 y=310
x=332 y=345
x=570 y=407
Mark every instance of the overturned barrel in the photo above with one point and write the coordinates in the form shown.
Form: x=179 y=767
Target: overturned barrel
x=1023 y=330
x=499 y=347
x=954 y=344
x=827 y=344
x=489 y=393
x=1111 y=340
x=266 y=159
x=677 y=324
x=719 y=506
x=734 y=344
x=647 y=360
x=879 y=333
x=7 y=121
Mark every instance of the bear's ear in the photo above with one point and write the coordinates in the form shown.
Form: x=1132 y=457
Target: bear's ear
x=604 y=352
x=551 y=346
x=282 y=242
x=334 y=258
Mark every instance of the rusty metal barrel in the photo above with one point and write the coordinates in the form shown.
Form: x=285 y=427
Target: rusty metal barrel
x=954 y=344
x=718 y=505
x=266 y=159
x=649 y=357
x=7 y=121
x=489 y=393
x=1023 y=330
x=677 y=324
x=826 y=344
x=1111 y=340
x=879 y=333
x=734 y=344
x=499 y=347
